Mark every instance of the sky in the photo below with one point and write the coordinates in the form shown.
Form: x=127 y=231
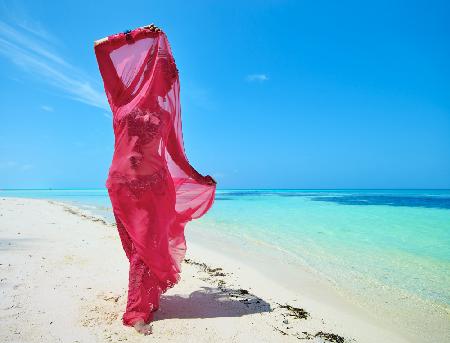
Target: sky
x=274 y=94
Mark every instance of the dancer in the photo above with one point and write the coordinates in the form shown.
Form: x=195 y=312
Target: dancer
x=154 y=190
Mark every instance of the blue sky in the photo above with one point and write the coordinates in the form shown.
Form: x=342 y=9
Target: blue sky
x=275 y=94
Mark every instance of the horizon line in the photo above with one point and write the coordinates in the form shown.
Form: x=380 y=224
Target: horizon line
x=272 y=188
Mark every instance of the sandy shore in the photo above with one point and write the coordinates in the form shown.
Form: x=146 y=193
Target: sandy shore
x=64 y=279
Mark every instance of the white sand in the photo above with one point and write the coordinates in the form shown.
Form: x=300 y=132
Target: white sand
x=64 y=278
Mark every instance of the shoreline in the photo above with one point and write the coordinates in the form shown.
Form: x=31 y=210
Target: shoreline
x=323 y=293
x=236 y=298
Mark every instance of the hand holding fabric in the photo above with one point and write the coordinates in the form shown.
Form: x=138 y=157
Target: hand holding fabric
x=210 y=180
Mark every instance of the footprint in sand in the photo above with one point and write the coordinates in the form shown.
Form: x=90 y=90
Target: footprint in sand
x=105 y=310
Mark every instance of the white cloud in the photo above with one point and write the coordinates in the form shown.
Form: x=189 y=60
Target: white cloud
x=26 y=167
x=7 y=164
x=47 y=108
x=257 y=77
x=15 y=166
x=17 y=13
x=31 y=48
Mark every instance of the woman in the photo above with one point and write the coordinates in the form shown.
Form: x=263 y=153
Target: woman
x=154 y=190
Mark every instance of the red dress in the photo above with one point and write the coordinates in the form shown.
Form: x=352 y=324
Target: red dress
x=154 y=190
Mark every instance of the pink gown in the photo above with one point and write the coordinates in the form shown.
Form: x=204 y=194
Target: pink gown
x=154 y=191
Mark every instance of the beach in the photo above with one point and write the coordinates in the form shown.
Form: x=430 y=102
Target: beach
x=64 y=278
x=305 y=165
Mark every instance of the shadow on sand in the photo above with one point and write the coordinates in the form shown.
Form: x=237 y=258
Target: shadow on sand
x=209 y=302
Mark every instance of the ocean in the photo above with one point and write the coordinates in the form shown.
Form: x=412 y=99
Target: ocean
x=389 y=250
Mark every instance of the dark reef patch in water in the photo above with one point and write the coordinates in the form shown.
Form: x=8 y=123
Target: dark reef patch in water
x=247 y=193
x=219 y=197
x=389 y=200
x=261 y=193
x=294 y=194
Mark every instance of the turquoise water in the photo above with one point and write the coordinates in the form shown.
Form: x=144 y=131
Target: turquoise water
x=361 y=239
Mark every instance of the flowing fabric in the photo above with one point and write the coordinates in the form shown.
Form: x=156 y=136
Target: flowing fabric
x=154 y=190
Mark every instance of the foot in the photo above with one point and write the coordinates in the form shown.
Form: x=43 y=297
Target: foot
x=141 y=327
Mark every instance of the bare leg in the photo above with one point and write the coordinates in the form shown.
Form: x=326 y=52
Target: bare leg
x=143 y=295
x=124 y=237
x=144 y=290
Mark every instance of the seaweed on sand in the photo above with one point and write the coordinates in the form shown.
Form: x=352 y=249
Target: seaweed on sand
x=296 y=312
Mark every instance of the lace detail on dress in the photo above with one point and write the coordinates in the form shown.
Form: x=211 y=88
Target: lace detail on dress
x=170 y=283
x=144 y=124
x=136 y=281
x=155 y=182
x=143 y=289
x=168 y=66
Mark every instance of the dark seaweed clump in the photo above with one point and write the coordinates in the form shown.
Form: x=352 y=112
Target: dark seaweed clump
x=206 y=268
x=296 y=312
x=330 y=337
